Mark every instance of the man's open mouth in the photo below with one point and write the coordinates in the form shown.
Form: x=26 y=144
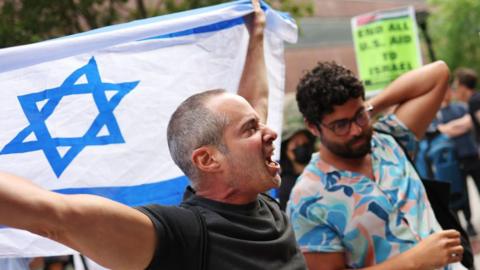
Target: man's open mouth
x=273 y=166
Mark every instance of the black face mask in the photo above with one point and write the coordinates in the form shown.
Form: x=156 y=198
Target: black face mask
x=303 y=153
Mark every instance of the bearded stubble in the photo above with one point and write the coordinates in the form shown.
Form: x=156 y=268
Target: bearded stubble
x=246 y=169
x=347 y=150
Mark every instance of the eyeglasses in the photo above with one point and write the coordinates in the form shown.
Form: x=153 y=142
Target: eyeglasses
x=342 y=127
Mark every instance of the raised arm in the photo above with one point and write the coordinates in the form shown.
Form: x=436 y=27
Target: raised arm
x=417 y=96
x=254 y=84
x=112 y=234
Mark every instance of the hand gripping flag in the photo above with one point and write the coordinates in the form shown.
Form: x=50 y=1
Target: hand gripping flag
x=88 y=113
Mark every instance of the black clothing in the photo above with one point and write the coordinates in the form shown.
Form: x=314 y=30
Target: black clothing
x=467 y=155
x=288 y=181
x=253 y=236
x=465 y=145
x=473 y=107
x=471 y=166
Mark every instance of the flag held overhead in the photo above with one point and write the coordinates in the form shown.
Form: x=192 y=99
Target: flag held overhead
x=88 y=113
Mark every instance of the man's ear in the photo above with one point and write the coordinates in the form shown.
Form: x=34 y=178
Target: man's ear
x=205 y=159
x=312 y=128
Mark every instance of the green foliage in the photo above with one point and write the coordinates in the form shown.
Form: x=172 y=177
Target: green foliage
x=455 y=30
x=27 y=21
x=297 y=8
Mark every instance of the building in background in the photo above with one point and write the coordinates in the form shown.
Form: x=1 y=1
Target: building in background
x=328 y=36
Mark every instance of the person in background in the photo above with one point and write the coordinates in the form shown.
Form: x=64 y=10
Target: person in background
x=359 y=202
x=298 y=145
x=466 y=150
x=464 y=87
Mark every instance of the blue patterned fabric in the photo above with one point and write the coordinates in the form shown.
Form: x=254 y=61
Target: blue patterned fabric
x=370 y=220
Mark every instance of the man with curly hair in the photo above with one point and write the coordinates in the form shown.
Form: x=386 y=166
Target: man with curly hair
x=359 y=203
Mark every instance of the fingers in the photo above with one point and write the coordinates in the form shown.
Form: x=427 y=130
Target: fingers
x=453 y=245
x=455 y=241
x=458 y=250
x=256 y=22
x=256 y=5
x=455 y=254
x=447 y=245
x=450 y=233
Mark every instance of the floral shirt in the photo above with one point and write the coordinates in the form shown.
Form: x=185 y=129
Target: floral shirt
x=370 y=220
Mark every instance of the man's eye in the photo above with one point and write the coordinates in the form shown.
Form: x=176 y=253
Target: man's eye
x=251 y=130
x=341 y=124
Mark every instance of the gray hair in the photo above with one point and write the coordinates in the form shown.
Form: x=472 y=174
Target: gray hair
x=191 y=126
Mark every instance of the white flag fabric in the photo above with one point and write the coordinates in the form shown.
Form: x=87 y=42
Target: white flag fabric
x=88 y=113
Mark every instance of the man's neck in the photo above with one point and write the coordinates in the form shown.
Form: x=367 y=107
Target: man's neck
x=218 y=191
x=361 y=165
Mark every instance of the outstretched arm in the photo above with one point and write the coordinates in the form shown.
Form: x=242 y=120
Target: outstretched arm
x=417 y=95
x=112 y=234
x=254 y=84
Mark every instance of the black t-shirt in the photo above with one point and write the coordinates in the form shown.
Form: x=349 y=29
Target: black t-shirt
x=473 y=107
x=253 y=236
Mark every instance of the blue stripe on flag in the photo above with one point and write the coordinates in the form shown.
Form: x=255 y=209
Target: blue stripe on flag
x=167 y=192
x=203 y=29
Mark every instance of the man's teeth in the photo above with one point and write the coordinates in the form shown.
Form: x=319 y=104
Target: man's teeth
x=271 y=163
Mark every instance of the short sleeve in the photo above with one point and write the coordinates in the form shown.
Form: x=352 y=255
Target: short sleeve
x=313 y=227
x=392 y=125
x=178 y=233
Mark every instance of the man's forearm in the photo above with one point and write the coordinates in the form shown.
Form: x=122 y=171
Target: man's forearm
x=411 y=85
x=399 y=262
x=112 y=234
x=21 y=203
x=254 y=82
x=457 y=127
x=416 y=95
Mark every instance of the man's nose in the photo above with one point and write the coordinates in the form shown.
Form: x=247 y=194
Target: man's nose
x=269 y=135
x=355 y=129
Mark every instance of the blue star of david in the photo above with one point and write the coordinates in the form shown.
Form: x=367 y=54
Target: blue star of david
x=71 y=86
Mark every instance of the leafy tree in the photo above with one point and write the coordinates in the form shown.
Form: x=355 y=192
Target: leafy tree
x=455 y=30
x=27 y=21
x=297 y=8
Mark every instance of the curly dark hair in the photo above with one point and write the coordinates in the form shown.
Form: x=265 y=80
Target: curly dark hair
x=326 y=86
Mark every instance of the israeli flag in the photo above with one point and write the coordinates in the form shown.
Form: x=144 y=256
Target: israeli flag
x=88 y=113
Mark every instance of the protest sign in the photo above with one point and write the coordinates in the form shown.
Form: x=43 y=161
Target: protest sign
x=386 y=46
